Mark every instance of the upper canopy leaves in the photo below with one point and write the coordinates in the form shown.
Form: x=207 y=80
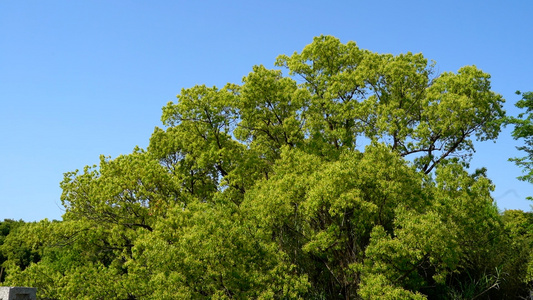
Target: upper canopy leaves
x=395 y=99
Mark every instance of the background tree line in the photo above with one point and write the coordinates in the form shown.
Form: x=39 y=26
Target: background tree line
x=342 y=175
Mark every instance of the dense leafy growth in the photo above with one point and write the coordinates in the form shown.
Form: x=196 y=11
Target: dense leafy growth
x=343 y=177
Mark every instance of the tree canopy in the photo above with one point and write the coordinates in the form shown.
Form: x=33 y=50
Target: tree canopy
x=342 y=174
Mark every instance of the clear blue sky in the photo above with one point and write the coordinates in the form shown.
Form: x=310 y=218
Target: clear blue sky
x=84 y=78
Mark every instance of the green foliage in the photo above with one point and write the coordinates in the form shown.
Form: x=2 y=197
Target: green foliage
x=524 y=130
x=6 y=227
x=201 y=250
x=321 y=213
x=264 y=190
x=74 y=260
x=355 y=94
x=456 y=235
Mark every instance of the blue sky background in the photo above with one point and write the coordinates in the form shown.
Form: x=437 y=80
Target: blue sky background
x=84 y=78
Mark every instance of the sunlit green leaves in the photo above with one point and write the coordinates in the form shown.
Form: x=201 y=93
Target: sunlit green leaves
x=524 y=130
x=322 y=212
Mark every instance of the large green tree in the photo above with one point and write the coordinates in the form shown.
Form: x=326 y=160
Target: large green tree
x=342 y=175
